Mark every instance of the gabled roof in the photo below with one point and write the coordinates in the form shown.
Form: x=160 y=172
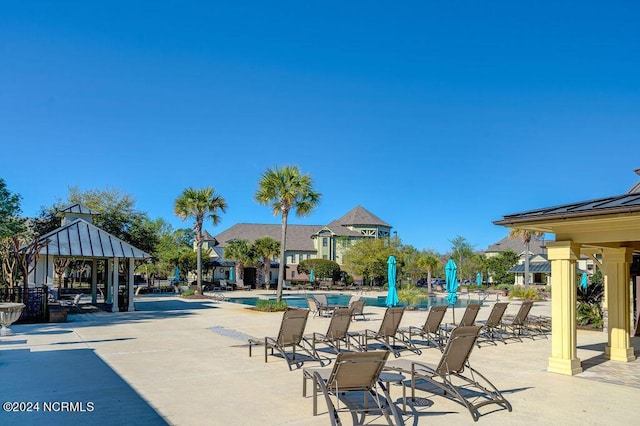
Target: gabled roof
x=298 y=236
x=536 y=246
x=358 y=216
x=635 y=189
x=82 y=239
x=77 y=209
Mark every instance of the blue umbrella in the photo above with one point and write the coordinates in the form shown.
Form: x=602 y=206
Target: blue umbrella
x=451 y=274
x=176 y=275
x=231 y=274
x=312 y=276
x=392 y=295
x=479 y=279
x=583 y=281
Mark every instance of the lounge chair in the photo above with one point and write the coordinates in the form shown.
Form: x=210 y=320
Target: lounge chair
x=317 y=309
x=357 y=308
x=453 y=375
x=322 y=300
x=352 y=373
x=336 y=333
x=468 y=318
x=431 y=328
x=74 y=304
x=240 y=285
x=225 y=286
x=388 y=332
x=491 y=328
x=516 y=326
x=290 y=335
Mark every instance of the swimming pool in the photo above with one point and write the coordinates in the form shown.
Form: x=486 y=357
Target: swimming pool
x=343 y=299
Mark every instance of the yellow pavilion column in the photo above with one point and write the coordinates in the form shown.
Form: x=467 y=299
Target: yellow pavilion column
x=563 y=256
x=616 y=263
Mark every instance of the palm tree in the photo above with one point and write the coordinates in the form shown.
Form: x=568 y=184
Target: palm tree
x=266 y=248
x=285 y=189
x=526 y=236
x=429 y=262
x=199 y=204
x=240 y=252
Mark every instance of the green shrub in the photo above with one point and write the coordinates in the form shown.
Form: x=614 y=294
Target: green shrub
x=188 y=292
x=268 y=305
x=519 y=292
x=589 y=309
x=411 y=295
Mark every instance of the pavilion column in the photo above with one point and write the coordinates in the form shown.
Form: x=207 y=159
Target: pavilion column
x=108 y=268
x=616 y=263
x=131 y=306
x=563 y=256
x=94 y=281
x=114 y=290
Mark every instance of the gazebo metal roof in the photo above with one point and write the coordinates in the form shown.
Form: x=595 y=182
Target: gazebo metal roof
x=82 y=239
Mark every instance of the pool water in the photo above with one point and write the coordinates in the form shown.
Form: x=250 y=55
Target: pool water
x=343 y=299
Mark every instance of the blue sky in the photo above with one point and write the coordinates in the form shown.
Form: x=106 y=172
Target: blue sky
x=439 y=117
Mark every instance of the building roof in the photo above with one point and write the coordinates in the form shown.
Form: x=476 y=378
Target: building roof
x=626 y=203
x=536 y=246
x=77 y=209
x=534 y=268
x=298 y=236
x=83 y=239
x=358 y=216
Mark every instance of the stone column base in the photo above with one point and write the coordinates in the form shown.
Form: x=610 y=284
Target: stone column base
x=569 y=367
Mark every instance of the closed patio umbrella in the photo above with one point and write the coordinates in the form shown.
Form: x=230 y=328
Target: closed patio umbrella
x=479 y=279
x=312 y=276
x=451 y=274
x=583 y=281
x=176 y=275
x=392 y=294
x=232 y=274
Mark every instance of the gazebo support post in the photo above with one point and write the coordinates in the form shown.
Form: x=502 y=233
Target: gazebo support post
x=563 y=256
x=94 y=281
x=114 y=290
x=616 y=264
x=130 y=287
x=108 y=270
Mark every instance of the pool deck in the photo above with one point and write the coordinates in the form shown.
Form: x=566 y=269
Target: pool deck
x=185 y=362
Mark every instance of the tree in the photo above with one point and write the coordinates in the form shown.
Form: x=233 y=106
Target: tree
x=199 y=204
x=368 y=259
x=526 y=236
x=323 y=269
x=462 y=252
x=266 y=248
x=10 y=221
x=429 y=262
x=498 y=265
x=241 y=252
x=286 y=189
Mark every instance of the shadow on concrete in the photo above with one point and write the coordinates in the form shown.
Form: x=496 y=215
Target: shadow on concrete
x=75 y=376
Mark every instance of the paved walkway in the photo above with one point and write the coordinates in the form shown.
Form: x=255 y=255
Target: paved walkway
x=185 y=362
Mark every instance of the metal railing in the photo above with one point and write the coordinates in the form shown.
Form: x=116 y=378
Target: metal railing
x=36 y=302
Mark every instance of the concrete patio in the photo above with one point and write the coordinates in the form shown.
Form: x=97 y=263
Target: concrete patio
x=185 y=362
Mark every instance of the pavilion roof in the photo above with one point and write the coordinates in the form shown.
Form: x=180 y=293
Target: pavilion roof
x=83 y=239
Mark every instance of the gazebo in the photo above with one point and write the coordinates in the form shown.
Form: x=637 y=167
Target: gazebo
x=79 y=238
x=608 y=231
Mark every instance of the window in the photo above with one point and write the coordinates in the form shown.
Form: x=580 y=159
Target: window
x=325 y=241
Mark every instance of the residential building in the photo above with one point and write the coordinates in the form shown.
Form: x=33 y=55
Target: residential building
x=303 y=241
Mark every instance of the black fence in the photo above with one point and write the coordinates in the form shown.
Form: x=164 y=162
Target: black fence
x=36 y=304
